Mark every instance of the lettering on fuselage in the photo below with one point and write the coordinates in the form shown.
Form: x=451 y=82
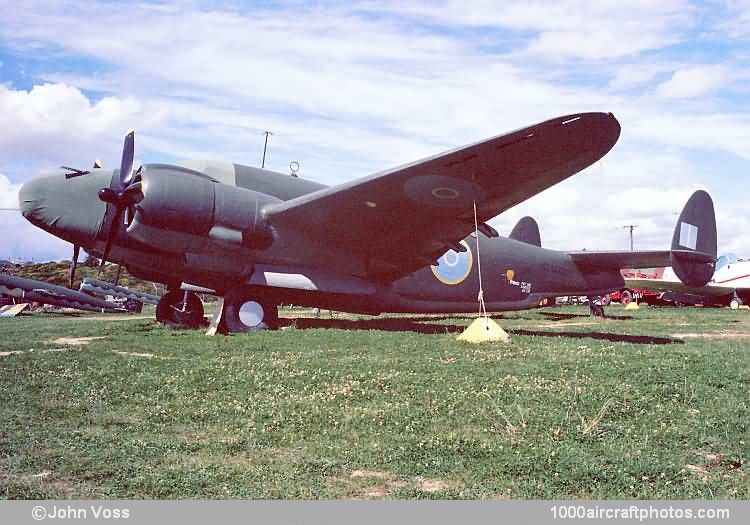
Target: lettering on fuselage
x=553 y=268
x=510 y=279
x=454 y=267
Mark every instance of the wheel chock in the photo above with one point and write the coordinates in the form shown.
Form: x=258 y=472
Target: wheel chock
x=632 y=305
x=214 y=326
x=484 y=330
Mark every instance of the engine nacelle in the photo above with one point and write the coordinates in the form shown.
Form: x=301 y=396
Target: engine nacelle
x=194 y=209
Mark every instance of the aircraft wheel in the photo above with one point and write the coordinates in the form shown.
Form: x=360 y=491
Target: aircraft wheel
x=625 y=297
x=597 y=310
x=595 y=307
x=180 y=309
x=246 y=311
x=735 y=303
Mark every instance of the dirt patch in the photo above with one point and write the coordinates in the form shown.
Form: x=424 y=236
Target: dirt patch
x=114 y=318
x=564 y=325
x=712 y=461
x=66 y=488
x=436 y=485
x=133 y=354
x=12 y=352
x=377 y=484
x=712 y=335
x=369 y=474
x=76 y=341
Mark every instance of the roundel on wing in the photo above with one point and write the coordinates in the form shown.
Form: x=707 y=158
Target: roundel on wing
x=454 y=267
x=442 y=193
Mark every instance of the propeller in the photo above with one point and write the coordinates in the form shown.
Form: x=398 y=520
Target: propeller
x=73 y=265
x=123 y=194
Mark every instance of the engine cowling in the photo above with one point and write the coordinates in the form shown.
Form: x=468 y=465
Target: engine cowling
x=182 y=210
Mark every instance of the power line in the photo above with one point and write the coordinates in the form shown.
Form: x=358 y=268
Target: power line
x=631 y=227
x=265 y=145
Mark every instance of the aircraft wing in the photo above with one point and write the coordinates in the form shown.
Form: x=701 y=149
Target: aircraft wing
x=405 y=218
x=635 y=259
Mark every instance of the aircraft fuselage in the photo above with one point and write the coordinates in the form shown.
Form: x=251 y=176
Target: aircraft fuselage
x=180 y=246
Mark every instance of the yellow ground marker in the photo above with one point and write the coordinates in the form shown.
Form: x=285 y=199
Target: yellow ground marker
x=484 y=330
x=632 y=305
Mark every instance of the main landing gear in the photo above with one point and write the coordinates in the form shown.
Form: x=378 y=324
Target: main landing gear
x=595 y=306
x=735 y=303
x=245 y=309
x=242 y=309
x=180 y=309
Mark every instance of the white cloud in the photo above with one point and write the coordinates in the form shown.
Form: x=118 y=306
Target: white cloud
x=56 y=122
x=570 y=28
x=8 y=193
x=694 y=81
x=629 y=76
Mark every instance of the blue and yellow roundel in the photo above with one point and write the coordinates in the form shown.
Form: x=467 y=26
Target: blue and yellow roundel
x=454 y=267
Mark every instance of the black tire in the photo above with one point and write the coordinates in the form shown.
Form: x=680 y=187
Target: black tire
x=170 y=311
x=625 y=297
x=596 y=310
x=259 y=313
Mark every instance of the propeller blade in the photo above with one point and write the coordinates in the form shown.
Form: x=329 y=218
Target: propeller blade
x=116 y=220
x=126 y=164
x=73 y=265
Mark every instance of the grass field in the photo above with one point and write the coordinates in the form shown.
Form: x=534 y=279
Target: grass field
x=653 y=403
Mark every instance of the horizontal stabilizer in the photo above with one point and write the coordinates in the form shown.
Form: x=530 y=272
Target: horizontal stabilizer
x=693 y=252
x=526 y=230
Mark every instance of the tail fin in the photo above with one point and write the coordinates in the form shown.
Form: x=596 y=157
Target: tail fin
x=694 y=241
x=526 y=230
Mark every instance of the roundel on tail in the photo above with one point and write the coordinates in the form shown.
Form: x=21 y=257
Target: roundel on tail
x=454 y=267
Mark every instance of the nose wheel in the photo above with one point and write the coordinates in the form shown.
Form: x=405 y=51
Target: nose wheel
x=180 y=309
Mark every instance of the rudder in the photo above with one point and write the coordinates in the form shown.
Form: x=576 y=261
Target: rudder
x=694 y=241
x=526 y=230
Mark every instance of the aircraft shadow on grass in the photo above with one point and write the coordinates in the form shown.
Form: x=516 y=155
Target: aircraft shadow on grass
x=554 y=316
x=417 y=325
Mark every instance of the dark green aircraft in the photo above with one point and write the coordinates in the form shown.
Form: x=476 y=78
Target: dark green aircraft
x=402 y=240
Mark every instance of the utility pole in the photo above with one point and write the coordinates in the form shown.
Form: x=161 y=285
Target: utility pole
x=631 y=227
x=265 y=145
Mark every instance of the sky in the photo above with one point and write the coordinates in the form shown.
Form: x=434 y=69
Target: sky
x=353 y=88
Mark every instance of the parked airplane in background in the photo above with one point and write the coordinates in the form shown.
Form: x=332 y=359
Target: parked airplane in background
x=397 y=241
x=730 y=285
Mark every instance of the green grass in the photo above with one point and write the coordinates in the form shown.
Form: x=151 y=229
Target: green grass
x=573 y=407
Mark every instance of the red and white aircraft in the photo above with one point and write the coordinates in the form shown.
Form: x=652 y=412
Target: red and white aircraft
x=730 y=284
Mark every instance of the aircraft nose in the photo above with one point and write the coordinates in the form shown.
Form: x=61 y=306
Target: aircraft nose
x=32 y=200
x=67 y=208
